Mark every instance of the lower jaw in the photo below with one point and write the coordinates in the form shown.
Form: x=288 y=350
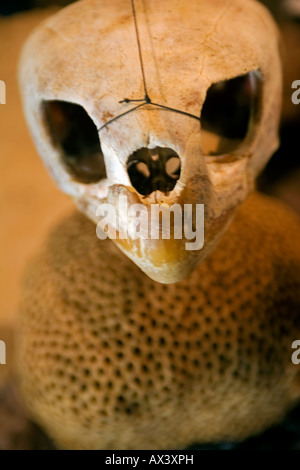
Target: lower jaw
x=163 y=261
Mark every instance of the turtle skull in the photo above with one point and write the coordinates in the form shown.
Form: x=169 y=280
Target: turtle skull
x=214 y=69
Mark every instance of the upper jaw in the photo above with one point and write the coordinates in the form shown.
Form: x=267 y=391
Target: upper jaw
x=164 y=246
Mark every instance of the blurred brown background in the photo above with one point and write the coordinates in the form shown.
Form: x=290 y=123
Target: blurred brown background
x=29 y=200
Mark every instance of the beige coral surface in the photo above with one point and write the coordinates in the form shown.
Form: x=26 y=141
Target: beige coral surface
x=110 y=359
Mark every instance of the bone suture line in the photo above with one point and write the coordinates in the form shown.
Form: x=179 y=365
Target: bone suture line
x=146 y=99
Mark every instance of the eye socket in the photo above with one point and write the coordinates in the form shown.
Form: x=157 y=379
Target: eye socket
x=231 y=106
x=73 y=131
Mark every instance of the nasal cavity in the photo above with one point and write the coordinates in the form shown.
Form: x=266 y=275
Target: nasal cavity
x=156 y=169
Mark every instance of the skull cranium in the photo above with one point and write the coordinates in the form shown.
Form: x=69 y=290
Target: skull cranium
x=214 y=60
